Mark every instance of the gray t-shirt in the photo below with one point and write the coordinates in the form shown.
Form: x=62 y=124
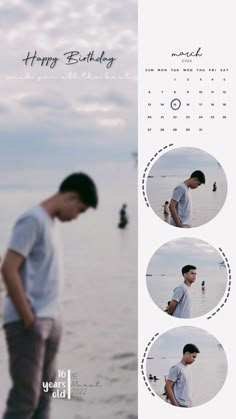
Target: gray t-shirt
x=35 y=236
x=182 y=294
x=180 y=374
x=182 y=196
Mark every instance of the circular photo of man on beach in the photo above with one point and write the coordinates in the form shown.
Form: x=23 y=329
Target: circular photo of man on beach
x=193 y=284
x=186 y=187
x=186 y=366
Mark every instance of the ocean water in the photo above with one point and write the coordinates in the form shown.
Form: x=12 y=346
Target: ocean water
x=208 y=372
x=99 y=304
x=161 y=290
x=205 y=203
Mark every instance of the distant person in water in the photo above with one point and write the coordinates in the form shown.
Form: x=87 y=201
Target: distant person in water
x=180 y=204
x=166 y=309
x=166 y=208
x=123 y=217
x=154 y=377
x=214 y=188
x=203 y=286
x=166 y=211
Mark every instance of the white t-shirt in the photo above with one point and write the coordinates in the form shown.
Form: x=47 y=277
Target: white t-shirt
x=182 y=294
x=35 y=236
x=182 y=196
x=180 y=374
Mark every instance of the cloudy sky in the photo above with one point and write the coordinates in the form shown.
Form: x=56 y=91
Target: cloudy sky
x=172 y=342
x=183 y=161
x=67 y=116
x=185 y=251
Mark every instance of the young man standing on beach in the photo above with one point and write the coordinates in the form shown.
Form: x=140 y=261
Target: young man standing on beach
x=32 y=272
x=180 y=205
x=178 y=385
x=180 y=305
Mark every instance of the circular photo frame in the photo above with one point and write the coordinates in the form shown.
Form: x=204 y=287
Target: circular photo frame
x=193 y=284
x=186 y=187
x=186 y=367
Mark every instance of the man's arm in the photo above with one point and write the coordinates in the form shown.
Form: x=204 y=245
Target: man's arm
x=172 y=306
x=170 y=393
x=174 y=214
x=11 y=276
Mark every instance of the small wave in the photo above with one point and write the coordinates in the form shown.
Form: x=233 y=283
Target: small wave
x=130 y=366
x=123 y=414
x=116 y=398
x=77 y=398
x=124 y=355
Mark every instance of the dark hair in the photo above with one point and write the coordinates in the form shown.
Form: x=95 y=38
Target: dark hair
x=166 y=202
x=190 y=347
x=83 y=185
x=187 y=268
x=199 y=175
